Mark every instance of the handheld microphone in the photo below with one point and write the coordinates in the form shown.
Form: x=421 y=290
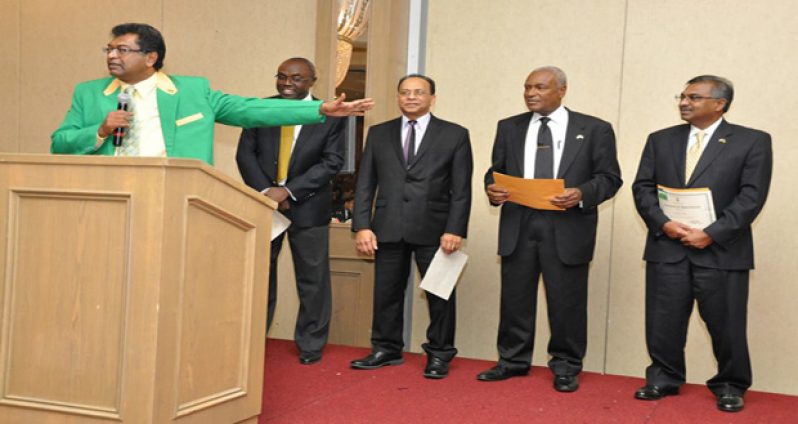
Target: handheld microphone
x=123 y=100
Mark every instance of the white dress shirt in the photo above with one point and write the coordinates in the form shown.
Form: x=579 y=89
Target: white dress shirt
x=421 y=127
x=147 y=118
x=558 y=126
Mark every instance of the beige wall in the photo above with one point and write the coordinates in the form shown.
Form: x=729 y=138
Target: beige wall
x=625 y=60
x=48 y=46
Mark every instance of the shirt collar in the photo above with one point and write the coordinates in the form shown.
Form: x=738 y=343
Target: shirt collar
x=162 y=81
x=558 y=116
x=708 y=131
x=145 y=88
x=420 y=122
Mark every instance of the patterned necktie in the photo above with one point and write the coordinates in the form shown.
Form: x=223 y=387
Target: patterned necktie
x=544 y=157
x=693 y=154
x=410 y=143
x=130 y=143
x=286 y=142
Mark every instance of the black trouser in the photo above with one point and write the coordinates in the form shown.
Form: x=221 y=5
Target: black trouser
x=392 y=268
x=566 y=298
x=722 y=298
x=310 y=253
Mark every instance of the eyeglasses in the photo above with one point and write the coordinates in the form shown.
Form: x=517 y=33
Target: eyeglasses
x=406 y=93
x=122 y=50
x=692 y=98
x=296 y=79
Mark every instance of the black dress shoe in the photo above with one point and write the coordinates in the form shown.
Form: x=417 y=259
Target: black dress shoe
x=499 y=373
x=566 y=383
x=652 y=392
x=730 y=403
x=307 y=358
x=377 y=360
x=436 y=368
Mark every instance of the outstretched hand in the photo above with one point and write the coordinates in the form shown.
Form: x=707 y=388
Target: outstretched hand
x=339 y=107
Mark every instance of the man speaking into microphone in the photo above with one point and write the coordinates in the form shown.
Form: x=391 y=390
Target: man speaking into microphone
x=168 y=115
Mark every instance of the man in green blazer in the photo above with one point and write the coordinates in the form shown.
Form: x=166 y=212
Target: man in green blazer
x=174 y=116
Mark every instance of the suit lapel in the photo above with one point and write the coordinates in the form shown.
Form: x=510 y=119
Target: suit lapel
x=574 y=139
x=305 y=134
x=517 y=142
x=715 y=147
x=396 y=140
x=432 y=132
x=679 y=150
x=167 y=109
x=167 y=98
x=111 y=94
x=301 y=141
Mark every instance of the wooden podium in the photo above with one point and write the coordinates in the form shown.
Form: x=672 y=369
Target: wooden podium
x=133 y=290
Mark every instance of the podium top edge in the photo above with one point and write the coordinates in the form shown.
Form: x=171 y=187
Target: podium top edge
x=139 y=162
x=102 y=160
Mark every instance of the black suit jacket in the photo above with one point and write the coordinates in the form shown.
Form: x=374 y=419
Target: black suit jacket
x=736 y=165
x=420 y=203
x=316 y=159
x=589 y=162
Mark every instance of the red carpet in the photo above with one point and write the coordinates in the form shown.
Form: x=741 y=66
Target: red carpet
x=331 y=392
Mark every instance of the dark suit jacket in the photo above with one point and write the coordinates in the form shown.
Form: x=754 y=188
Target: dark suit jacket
x=316 y=159
x=420 y=203
x=589 y=162
x=736 y=165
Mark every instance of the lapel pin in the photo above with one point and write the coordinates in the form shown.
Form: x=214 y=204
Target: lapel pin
x=580 y=137
x=722 y=141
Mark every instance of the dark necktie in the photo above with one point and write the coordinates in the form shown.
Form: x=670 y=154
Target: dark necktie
x=410 y=143
x=544 y=158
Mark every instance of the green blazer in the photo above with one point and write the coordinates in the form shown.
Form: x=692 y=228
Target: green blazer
x=188 y=109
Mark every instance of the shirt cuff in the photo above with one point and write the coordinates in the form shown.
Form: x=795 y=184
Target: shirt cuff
x=99 y=142
x=291 y=195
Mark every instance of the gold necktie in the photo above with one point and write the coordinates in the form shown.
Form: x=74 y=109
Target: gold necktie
x=693 y=154
x=286 y=141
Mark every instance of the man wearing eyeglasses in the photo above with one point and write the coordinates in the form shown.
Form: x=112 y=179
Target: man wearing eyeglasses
x=416 y=173
x=294 y=166
x=708 y=265
x=171 y=115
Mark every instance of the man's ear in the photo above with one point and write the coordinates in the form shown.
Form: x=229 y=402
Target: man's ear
x=152 y=57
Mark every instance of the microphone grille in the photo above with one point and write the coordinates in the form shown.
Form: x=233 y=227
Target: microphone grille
x=123 y=98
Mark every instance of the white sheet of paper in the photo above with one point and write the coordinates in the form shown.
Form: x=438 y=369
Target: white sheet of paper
x=693 y=206
x=279 y=224
x=443 y=273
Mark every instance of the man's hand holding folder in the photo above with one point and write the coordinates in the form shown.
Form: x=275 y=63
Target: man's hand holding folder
x=546 y=194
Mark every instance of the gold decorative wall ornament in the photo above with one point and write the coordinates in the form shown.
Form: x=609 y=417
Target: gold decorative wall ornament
x=352 y=20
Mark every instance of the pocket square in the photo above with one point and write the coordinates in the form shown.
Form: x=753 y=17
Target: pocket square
x=189 y=119
x=722 y=141
x=580 y=137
